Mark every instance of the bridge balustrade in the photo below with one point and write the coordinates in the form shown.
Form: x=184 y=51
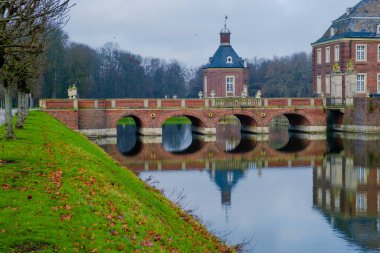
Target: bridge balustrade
x=338 y=102
x=189 y=103
x=238 y=102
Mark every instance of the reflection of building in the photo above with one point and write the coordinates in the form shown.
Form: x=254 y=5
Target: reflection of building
x=349 y=197
x=226 y=180
x=226 y=74
x=345 y=59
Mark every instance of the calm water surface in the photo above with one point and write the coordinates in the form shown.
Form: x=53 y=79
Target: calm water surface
x=291 y=193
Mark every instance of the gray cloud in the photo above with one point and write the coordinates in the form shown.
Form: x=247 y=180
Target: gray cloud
x=187 y=30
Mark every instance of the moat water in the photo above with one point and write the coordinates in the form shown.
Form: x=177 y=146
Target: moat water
x=280 y=192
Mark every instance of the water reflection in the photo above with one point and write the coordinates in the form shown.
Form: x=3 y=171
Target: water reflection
x=282 y=187
x=226 y=180
x=177 y=138
x=348 y=195
x=128 y=142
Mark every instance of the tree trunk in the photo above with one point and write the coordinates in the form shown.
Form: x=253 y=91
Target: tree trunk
x=27 y=105
x=20 y=110
x=9 y=132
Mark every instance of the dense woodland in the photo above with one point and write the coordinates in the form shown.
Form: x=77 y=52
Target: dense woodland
x=111 y=72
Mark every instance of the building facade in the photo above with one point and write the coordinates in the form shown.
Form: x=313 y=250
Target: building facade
x=346 y=60
x=226 y=74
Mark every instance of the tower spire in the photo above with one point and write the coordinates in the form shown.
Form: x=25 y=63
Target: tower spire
x=225 y=34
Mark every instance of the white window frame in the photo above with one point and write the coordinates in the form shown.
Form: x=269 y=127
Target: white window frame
x=378 y=53
x=205 y=86
x=361 y=202
x=378 y=85
x=328 y=84
x=328 y=54
x=227 y=84
x=319 y=56
x=337 y=53
x=328 y=199
x=364 y=83
x=361 y=56
x=337 y=203
x=319 y=84
x=362 y=175
x=229 y=60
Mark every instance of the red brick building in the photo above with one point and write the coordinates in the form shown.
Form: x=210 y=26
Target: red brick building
x=346 y=60
x=226 y=74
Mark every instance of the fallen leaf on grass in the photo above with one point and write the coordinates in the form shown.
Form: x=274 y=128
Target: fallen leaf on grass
x=6 y=186
x=147 y=243
x=3 y=231
x=114 y=233
x=67 y=207
x=30 y=197
x=66 y=217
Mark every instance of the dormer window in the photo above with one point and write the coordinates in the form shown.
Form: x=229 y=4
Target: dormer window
x=229 y=60
x=332 y=32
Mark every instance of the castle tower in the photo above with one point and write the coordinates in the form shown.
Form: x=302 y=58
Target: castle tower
x=226 y=74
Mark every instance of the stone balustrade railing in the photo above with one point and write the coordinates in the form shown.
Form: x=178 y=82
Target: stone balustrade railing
x=180 y=103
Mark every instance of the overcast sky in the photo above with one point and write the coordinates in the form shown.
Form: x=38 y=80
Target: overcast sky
x=188 y=30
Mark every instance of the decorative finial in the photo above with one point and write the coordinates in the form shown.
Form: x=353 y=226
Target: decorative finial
x=225 y=22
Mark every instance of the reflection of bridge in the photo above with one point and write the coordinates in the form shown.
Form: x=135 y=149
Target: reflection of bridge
x=100 y=117
x=210 y=155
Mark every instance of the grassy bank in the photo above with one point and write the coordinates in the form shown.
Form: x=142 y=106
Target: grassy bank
x=61 y=193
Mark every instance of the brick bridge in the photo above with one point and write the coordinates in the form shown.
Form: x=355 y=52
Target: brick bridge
x=153 y=156
x=100 y=116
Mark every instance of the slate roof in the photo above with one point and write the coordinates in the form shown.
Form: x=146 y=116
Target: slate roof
x=361 y=21
x=219 y=60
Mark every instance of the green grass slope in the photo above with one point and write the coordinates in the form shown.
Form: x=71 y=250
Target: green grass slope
x=61 y=193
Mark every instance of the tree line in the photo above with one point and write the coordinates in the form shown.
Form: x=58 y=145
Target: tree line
x=111 y=72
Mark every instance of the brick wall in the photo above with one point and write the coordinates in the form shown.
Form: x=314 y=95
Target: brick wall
x=92 y=119
x=216 y=80
x=67 y=117
x=347 y=51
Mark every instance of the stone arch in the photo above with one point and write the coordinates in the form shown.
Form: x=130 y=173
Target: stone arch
x=246 y=145
x=138 y=121
x=295 y=144
x=196 y=120
x=248 y=121
x=195 y=146
x=298 y=121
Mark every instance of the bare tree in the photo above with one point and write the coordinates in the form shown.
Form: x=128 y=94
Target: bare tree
x=23 y=26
